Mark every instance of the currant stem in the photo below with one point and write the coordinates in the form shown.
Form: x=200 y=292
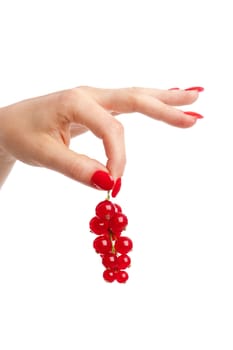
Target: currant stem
x=110 y=232
x=110 y=236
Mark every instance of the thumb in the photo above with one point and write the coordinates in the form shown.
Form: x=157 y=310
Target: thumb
x=78 y=167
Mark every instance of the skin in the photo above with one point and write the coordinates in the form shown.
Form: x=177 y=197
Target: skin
x=37 y=131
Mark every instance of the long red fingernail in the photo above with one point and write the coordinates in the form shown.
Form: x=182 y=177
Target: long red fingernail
x=175 y=88
x=195 y=88
x=194 y=114
x=102 y=180
x=116 y=187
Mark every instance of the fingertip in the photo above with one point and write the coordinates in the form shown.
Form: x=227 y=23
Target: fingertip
x=116 y=187
x=183 y=120
x=189 y=122
x=179 y=97
x=190 y=118
x=190 y=95
x=116 y=167
x=102 y=180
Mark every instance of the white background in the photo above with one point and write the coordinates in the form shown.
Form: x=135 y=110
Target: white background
x=177 y=188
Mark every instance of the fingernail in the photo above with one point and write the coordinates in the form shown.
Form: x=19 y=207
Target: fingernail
x=102 y=180
x=195 y=88
x=175 y=88
x=116 y=187
x=194 y=114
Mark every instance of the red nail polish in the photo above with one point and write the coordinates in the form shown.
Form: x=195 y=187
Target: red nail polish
x=195 y=88
x=175 y=88
x=116 y=187
x=194 y=114
x=102 y=180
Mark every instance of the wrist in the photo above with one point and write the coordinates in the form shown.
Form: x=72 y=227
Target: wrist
x=7 y=161
x=6 y=164
x=5 y=156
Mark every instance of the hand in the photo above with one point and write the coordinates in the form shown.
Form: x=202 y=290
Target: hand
x=38 y=131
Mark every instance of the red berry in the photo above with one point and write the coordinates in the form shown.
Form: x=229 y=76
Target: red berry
x=98 y=225
x=109 y=276
x=108 y=224
x=123 y=245
x=123 y=261
x=118 y=222
x=109 y=260
x=121 y=276
x=117 y=208
x=105 y=210
x=102 y=245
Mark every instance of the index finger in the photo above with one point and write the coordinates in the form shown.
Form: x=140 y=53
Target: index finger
x=103 y=125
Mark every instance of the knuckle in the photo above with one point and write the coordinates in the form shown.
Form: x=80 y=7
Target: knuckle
x=116 y=127
x=133 y=98
x=67 y=103
x=67 y=97
x=133 y=89
x=70 y=96
x=74 y=169
x=84 y=88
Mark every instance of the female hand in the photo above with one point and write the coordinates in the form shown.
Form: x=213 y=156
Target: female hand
x=37 y=131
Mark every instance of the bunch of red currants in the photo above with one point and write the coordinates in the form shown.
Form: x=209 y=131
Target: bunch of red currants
x=108 y=224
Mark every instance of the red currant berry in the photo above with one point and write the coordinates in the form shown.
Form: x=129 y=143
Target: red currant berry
x=102 y=245
x=105 y=210
x=98 y=225
x=109 y=276
x=117 y=208
x=123 y=245
x=109 y=260
x=123 y=261
x=121 y=276
x=118 y=222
